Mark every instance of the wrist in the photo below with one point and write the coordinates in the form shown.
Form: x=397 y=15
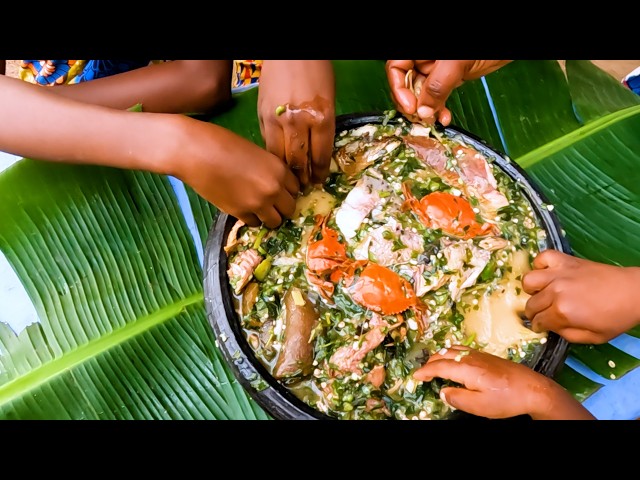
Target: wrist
x=552 y=402
x=540 y=400
x=163 y=148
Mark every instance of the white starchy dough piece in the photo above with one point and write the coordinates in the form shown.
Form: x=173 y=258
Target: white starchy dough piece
x=497 y=323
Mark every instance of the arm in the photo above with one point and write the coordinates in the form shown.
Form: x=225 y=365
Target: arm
x=494 y=387
x=420 y=88
x=581 y=300
x=232 y=173
x=296 y=108
x=178 y=86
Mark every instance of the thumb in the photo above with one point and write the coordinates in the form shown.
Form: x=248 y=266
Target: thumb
x=404 y=99
x=462 y=399
x=445 y=76
x=550 y=259
x=459 y=398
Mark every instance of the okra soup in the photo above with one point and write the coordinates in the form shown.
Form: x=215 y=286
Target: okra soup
x=415 y=243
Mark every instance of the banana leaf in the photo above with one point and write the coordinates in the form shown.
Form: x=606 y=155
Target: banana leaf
x=108 y=262
x=111 y=268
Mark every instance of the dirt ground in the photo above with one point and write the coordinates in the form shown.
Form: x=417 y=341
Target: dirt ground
x=617 y=68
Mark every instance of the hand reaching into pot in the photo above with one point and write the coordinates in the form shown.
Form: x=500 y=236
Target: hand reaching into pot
x=581 y=300
x=494 y=387
x=296 y=109
x=420 y=88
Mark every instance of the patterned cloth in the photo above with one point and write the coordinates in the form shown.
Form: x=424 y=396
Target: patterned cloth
x=246 y=73
x=56 y=72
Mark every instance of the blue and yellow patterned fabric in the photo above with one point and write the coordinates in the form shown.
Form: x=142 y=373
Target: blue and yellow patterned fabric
x=56 y=72
x=246 y=73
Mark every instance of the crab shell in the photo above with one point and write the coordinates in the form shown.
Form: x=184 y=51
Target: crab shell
x=452 y=214
x=326 y=254
x=383 y=290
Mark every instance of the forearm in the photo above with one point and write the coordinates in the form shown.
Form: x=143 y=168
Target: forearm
x=179 y=86
x=38 y=124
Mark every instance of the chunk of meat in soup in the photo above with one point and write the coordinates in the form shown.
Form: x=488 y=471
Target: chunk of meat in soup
x=296 y=353
x=477 y=177
x=347 y=359
x=241 y=269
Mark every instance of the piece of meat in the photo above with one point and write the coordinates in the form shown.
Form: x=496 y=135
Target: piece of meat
x=347 y=358
x=296 y=353
x=376 y=376
x=493 y=243
x=420 y=285
x=479 y=181
x=433 y=154
x=232 y=239
x=249 y=298
x=358 y=155
x=472 y=168
x=241 y=269
x=375 y=404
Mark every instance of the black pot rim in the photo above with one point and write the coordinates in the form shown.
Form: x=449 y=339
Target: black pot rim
x=269 y=393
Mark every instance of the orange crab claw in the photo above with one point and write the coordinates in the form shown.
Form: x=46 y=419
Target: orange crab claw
x=324 y=287
x=453 y=215
x=325 y=257
x=327 y=253
x=383 y=290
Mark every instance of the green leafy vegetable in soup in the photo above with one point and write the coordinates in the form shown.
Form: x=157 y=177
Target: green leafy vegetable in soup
x=415 y=243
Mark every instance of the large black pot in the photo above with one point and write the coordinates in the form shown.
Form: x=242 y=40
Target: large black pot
x=254 y=377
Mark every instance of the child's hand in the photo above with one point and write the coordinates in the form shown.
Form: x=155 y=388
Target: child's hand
x=581 y=300
x=234 y=174
x=494 y=387
x=422 y=94
x=296 y=108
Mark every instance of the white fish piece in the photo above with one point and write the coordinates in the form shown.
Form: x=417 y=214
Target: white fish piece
x=420 y=284
x=361 y=251
x=369 y=130
x=456 y=253
x=479 y=259
x=358 y=155
x=418 y=130
x=382 y=249
x=359 y=202
x=284 y=260
x=381 y=150
x=494 y=243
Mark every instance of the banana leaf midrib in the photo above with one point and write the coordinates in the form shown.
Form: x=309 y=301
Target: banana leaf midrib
x=92 y=349
x=540 y=153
